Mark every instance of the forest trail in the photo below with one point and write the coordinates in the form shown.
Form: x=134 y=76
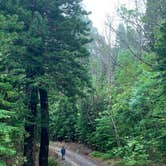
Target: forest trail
x=73 y=158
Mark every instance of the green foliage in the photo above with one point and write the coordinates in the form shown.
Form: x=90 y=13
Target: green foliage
x=45 y=40
x=63 y=119
x=44 y=46
x=2 y=163
x=104 y=137
x=9 y=131
x=104 y=156
x=132 y=125
x=133 y=153
x=10 y=126
x=52 y=162
x=89 y=110
x=153 y=18
x=160 y=49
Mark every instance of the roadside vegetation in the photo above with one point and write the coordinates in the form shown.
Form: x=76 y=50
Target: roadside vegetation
x=61 y=80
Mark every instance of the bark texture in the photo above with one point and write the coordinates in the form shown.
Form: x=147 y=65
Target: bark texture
x=30 y=125
x=44 y=141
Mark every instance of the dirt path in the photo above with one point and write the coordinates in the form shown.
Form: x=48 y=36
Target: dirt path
x=75 y=159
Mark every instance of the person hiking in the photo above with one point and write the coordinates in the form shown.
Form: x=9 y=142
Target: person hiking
x=63 y=151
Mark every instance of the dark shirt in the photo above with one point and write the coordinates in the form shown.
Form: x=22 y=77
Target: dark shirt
x=63 y=151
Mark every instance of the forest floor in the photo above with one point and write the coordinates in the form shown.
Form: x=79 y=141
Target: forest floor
x=76 y=155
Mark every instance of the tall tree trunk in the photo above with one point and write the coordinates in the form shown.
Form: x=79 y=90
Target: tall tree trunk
x=116 y=132
x=44 y=142
x=29 y=142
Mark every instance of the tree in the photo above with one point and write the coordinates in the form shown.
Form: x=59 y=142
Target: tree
x=10 y=98
x=48 y=50
x=160 y=48
x=89 y=110
x=63 y=117
x=155 y=12
x=103 y=58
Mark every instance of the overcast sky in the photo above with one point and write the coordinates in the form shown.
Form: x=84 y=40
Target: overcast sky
x=102 y=8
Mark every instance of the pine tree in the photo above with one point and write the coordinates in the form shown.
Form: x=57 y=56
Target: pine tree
x=160 y=48
x=50 y=49
x=155 y=12
x=10 y=101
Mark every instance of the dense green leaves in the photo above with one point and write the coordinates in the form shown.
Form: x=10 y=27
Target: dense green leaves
x=128 y=121
x=42 y=48
x=43 y=52
x=63 y=119
x=10 y=125
x=160 y=49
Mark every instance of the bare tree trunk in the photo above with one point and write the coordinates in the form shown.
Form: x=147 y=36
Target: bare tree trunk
x=29 y=142
x=116 y=132
x=44 y=140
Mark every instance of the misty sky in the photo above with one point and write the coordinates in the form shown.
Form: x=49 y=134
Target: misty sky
x=102 y=8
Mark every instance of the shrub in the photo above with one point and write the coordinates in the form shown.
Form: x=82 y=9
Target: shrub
x=52 y=162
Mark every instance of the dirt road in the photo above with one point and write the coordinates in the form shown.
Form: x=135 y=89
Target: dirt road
x=73 y=158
